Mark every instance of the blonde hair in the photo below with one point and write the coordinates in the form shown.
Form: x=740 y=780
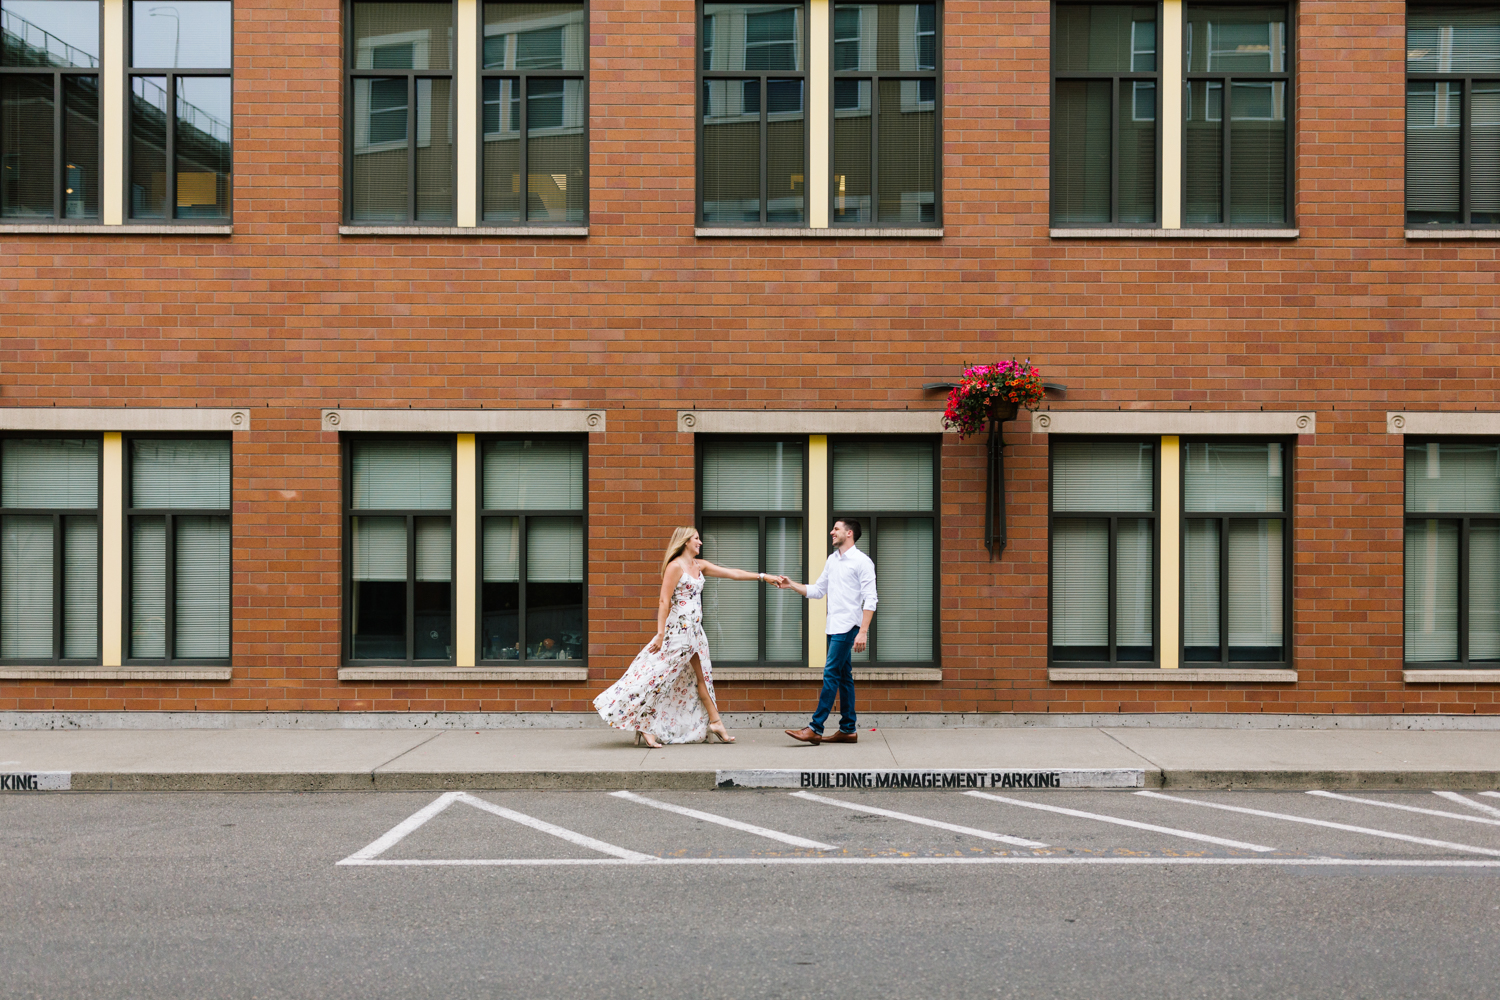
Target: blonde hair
x=680 y=538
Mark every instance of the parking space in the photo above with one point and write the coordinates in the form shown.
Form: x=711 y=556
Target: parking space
x=1419 y=829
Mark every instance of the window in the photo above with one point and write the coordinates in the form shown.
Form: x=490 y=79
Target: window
x=890 y=487
x=532 y=535
x=1104 y=110
x=1452 y=553
x=180 y=109
x=402 y=167
x=49 y=549
x=1453 y=115
x=1237 y=74
x=885 y=114
x=751 y=516
x=49 y=109
x=1235 y=552
x=179 y=549
x=535 y=57
x=1103 y=565
x=752 y=147
x=399 y=531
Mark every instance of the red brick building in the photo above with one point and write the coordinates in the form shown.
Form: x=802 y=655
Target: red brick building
x=533 y=355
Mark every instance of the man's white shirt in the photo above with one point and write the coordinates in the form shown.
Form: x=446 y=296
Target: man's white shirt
x=848 y=579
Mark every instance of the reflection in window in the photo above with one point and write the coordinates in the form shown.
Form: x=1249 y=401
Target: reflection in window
x=49 y=61
x=1453 y=115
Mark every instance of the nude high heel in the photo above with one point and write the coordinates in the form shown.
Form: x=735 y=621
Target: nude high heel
x=719 y=732
x=647 y=739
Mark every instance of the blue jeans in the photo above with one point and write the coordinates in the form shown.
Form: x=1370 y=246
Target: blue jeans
x=838 y=678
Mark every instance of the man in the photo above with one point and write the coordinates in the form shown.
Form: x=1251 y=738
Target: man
x=848 y=579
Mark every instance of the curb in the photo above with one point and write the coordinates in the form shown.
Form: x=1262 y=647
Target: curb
x=1305 y=780
x=419 y=781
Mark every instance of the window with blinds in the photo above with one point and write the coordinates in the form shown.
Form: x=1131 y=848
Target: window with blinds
x=49 y=549
x=179 y=545
x=1104 y=551
x=1236 y=144
x=889 y=485
x=1105 y=83
x=399 y=530
x=1235 y=551
x=533 y=552
x=751 y=517
x=1452 y=553
x=1452 y=115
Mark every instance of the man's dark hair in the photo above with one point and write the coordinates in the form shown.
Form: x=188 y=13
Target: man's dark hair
x=850 y=524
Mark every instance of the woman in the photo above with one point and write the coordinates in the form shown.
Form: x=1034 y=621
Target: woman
x=667 y=695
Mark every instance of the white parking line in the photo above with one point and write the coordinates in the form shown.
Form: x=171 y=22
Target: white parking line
x=922 y=820
x=369 y=854
x=1491 y=794
x=1405 y=808
x=1455 y=797
x=733 y=824
x=1049 y=861
x=398 y=833
x=1324 y=823
x=1169 y=831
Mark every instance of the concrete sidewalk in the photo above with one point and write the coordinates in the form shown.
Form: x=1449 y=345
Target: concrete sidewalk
x=251 y=760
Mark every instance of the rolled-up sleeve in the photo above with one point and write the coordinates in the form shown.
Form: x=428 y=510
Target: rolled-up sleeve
x=867 y=596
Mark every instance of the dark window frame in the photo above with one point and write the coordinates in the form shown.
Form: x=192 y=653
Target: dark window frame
x=127 y=565
x=1466 y=135
x=869 y=521
x=1285 y=515
x=523 y=78
x=1465 y=519
x=411 y=76
x=170 y=153
x=522 y=515
x=701 y=75
x=57 y=514
x=1114 y=517
x=875 y=77
x=346 y=576
x=1116 y=79
x=1227 y=80
x=701 y=444
x=59 y=151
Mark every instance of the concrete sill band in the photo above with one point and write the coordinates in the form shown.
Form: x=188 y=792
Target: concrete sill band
x=116 y=673
x=1451 y=676
x=471 y=231
x=772 y=232
x=813 y=676
x=63 y=228
x=578 y=673
x=1453 y=234
x=1175 y=234
x=1180 y=675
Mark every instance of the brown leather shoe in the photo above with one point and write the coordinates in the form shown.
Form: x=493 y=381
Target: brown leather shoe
x=839 y=736
x=805 y=735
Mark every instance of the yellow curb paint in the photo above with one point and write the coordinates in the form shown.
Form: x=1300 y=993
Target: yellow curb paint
x=1171 y=537
x=817 y=545
x=112 y=543
x=465 y=563
x=1171 y=115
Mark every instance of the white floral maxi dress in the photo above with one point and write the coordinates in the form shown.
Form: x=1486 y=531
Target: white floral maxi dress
x=659 y=693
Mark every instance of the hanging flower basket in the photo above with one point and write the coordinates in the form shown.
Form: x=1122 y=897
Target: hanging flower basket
x=992 y=392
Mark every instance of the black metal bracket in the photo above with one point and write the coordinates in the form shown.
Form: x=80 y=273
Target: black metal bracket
x=1056 y=387
x=994 y=491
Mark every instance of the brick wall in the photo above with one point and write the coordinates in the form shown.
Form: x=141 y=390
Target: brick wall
x=1350 y=319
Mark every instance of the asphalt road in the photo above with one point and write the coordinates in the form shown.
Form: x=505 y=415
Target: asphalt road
x=243 y=895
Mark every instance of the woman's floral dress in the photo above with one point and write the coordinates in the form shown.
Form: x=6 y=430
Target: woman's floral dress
x=659 y=693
